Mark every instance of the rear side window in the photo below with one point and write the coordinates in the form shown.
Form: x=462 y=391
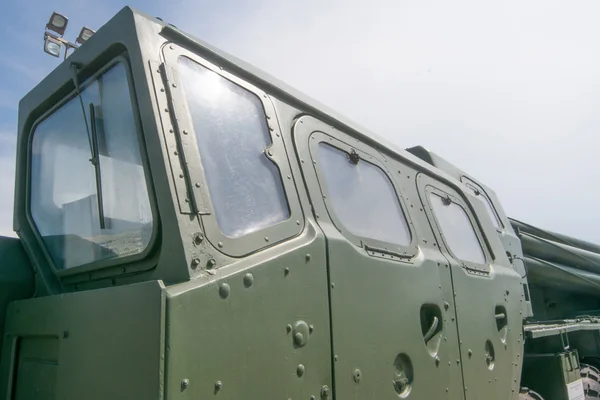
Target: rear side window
x=488 y=204
x=459 y=234
x=363 y=198
x=231 y=131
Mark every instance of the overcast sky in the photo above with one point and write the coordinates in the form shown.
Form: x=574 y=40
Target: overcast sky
x=508 y=91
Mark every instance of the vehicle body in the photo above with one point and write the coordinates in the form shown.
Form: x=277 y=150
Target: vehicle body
x=191 y=228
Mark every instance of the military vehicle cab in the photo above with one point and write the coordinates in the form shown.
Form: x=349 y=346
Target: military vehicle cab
x=191 y=228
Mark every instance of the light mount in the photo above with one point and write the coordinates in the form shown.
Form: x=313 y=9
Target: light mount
x=55 y=30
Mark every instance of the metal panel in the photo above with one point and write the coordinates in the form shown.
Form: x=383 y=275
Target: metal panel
x=386 y=342
x=109 y=342
x=489 y=313
x=258 y=329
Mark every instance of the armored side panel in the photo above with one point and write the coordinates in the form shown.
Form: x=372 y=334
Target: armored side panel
x=101 y=344
x=16 y=276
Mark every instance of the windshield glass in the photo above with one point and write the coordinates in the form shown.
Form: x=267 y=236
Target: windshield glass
x=76 y=227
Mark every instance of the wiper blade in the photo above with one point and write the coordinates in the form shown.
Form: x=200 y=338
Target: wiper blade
x=93 y=142
x=95 y=160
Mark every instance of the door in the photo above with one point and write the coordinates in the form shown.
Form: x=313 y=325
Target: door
x=392 y=315
x=487 y=291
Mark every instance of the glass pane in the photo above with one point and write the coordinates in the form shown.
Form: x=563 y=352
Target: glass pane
x=64 y=201
x=487 y=203
x=363 y=197
x=459 y=234
x=232 y=134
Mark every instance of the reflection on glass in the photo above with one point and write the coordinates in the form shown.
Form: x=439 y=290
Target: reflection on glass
x=64 y=202
x=459 y=234
x=363 y=197
x=232 y=135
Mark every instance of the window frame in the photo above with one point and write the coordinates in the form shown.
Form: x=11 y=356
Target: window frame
x=108 y=263
x=469 y=182
x=197 y=186
x=427 y=186
x=367 y=154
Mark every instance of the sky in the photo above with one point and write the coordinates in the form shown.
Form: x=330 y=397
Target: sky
x=507 y=91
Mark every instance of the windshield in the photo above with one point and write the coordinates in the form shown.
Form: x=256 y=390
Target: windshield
x=77 y=227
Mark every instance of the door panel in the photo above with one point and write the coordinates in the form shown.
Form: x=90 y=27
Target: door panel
x=393 y=321
x=488 y=299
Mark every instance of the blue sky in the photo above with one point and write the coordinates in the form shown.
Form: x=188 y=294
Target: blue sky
x=509 y=91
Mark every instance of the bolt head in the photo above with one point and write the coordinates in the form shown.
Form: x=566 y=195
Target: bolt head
x=185 y=383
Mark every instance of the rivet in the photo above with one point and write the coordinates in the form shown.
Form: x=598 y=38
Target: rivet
x=174 y=85
x=300 y=370
x=195 y=262
x=185 y=132
x=162 y=89
x=185 y=383
x=248 y=280
x=333 y=285
x=298 y=223
x=171 y=47
x=470 y=352
x=288 y=328
x=166 y=110
x=197 y=185
x=335 y=357
x=224 y=290
x=325 y=389
x=307 y=257
x=175 y=153
x=266 y=239
x=65 y=334
x=220 y=244
x=198 y=239
x=218 y=386
x=312 y=397
x=269 y=152
x=356 y=375
x=446 y=305
x=210 y=264
x=311 y=328
x=181 y=175
x=298 y=338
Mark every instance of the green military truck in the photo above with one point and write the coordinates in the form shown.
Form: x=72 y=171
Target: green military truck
x=191 y=228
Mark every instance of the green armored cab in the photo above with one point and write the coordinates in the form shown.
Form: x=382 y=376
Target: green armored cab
x=191 y=228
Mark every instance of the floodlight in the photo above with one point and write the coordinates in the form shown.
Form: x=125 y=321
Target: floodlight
x=57 y=23
x=52 y=46
x=84 y=35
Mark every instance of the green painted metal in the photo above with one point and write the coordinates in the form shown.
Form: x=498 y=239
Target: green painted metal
x=16 y=276
x=96 y=344
x=306 y=308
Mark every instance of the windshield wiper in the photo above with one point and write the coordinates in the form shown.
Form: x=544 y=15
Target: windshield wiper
x=95 y=160
x=93 y=142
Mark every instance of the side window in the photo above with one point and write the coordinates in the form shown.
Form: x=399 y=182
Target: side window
x=89 y=208
x=362 y=196
x=245 y=186
x=459 y=234
x=481 y=195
